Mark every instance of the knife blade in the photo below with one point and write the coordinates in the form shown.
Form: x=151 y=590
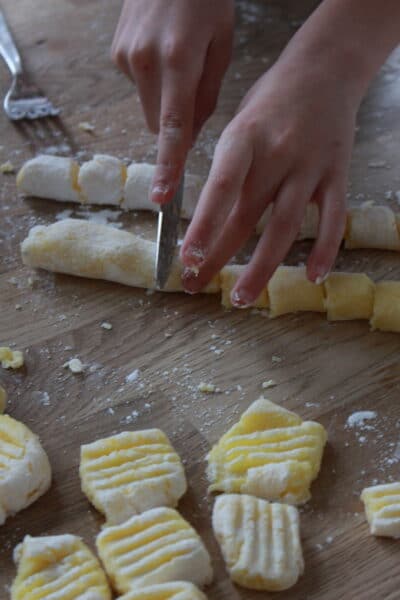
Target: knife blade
x=167 y=235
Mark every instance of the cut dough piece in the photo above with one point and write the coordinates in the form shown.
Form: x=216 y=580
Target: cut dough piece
x=386 y=314
x=87 y=249
x=290 y=291
x=131 y=472
x=102 y=180
x=229 y=276
x=53 y=177
x=58 y=567
x=349 y=296
x=270 y=453
x=155 y=547
x=11 y=359
x=3 y=399
x=25 y=472
x=372 y=226
x=138 y=184
x=178 y=590
x=382 y=505
x=260 y=541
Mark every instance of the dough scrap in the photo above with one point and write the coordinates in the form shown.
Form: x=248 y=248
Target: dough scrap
x=270 y=453
x=25 y=472
x=382 y=506
x=260 y=541
x=58 y=567
x=131 y=472
x=157 y=546
x=11 y=359
x=178 y=590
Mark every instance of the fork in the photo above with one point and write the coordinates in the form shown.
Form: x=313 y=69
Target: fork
x=23 y=100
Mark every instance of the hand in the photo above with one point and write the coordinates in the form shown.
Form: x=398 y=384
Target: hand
x=177 y=52
x=289 y=144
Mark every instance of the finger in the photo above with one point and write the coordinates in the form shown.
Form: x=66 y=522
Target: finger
x=179 y=85
x=275 y=242
x=231 y=164
x=119 y=56
x=331 y=228
x=145 y=70
x=256 y=194
x=217 y=60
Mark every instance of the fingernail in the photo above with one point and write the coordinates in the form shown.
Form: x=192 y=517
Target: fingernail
x=241 y=299
x=321 y=278
x=189 y=280
x=159 y=193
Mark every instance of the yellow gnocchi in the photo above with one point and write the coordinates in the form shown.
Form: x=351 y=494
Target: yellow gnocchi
x=382 y=505
x=131 y=472
x=270 y=453
x=157 y=546
x=59 y=567
x=260 y=541
x=177 y=590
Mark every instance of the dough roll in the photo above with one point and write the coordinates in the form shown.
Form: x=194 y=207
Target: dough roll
x=103 y=180
x=87 y=249
x=372 y=226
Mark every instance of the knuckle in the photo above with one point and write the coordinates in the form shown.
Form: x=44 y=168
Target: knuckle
x=243 y=217
x=174 y=53
x=141 y=56
x=285 y=224
x=222 y=183
x=118 y=55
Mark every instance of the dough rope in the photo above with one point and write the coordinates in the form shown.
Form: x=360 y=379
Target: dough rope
x=105 y=180
x=87 y=249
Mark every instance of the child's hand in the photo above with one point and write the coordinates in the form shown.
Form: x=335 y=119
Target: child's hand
x=177 y=51
x=289 y=144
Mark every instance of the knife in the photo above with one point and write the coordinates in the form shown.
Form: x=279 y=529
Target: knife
x=167 y=235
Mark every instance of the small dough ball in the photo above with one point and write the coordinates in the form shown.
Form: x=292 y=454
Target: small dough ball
x=349 y=296
x=102 y=180
x=290 y=291
x=229 y=276
x=386 y=313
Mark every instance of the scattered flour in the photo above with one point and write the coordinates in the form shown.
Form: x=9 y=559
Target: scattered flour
x=357 y=419
x=132 y=376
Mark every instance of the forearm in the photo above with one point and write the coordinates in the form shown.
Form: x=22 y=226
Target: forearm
x=352 y=37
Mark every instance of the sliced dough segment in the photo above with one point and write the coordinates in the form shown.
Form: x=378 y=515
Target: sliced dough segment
x=372 y=226
x=270 y=453
x=3 y=399
x=87 y=249
x=138 y=187
x=229 y=276
x=290 y=291
x=382 y=505
x=25 y=472
x=59 y=567
x=131 y=472
x=178 y=590
x=53 y=177
x=260 y=541
x=386 y=313
x=102 y=180
x=155 y=547
x=349 y=296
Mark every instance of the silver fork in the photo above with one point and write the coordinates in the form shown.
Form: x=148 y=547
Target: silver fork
x=23 y=100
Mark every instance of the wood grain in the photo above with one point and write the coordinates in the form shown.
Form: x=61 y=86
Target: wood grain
x=327 y=371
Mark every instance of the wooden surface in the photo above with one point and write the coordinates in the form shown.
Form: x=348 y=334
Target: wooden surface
x=327 y=371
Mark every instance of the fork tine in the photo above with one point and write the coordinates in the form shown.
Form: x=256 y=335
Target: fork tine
x=47 y=135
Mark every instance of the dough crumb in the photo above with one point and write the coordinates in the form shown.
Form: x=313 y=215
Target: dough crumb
x=86 y=126
x=106 y=325
x=74 y=365
x=208 y=388
x=132 y=376
x=3 y=399
x=11 y=359
x=276 y=359
x=268 y=384
x=7 y=168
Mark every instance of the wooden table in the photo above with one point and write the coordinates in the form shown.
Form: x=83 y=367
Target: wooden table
x=327 y=371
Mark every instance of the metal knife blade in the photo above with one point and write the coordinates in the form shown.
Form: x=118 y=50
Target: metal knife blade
x=167 y=235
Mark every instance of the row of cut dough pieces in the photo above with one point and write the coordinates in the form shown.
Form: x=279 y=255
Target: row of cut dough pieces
x=106 y=180
x=86 y=249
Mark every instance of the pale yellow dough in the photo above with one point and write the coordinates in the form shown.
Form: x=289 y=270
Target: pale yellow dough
x=290 y=291
x=260 y=541
x=229 y=276
x=3 y=399
x=371 y=226
x=386 y=313
x=178 y=590
x=382 y=506
x=349 y=296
